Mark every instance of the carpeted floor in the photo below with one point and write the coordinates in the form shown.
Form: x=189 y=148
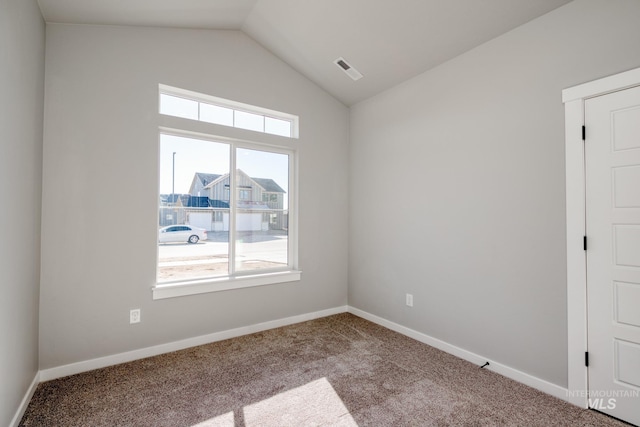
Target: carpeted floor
x=339 y=370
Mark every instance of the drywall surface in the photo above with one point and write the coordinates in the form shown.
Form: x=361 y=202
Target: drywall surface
x=100 y=191
x=22 y=42
x=465 y=164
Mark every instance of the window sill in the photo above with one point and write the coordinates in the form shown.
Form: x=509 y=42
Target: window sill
x=194 y=287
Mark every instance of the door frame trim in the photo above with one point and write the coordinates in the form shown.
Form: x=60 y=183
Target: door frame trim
x=574 y=99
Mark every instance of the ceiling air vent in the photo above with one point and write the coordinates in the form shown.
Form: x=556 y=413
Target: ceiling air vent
x=344 y=66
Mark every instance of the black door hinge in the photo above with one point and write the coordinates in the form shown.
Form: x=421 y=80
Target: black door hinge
x=584 y=133
x=586 y=358
x=584 y=242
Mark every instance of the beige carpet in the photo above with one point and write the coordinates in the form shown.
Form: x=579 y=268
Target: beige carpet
x=340 y=370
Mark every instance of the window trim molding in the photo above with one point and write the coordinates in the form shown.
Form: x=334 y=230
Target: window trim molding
x=225 y=283
x=239 y=280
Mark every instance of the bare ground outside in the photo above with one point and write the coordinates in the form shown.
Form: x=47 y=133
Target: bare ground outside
x=254 y=251
x=212 y=269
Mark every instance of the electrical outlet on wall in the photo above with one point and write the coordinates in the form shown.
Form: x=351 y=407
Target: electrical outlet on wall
x=134 y=315
x=409 y=300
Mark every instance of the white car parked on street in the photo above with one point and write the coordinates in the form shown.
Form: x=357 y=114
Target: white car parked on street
x=181 y=233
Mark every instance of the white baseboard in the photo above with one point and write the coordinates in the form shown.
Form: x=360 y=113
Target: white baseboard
x=102 y=362
x=514 y=374
x=25 y=401
x=88 y=365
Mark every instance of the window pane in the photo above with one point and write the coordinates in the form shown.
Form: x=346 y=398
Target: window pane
x=178 y=107
x=214 y=114
x=249 y=121
x=262 y=226
x=277 y=127
x=193 y=175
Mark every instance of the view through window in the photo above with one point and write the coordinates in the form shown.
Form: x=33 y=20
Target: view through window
x=223 y=209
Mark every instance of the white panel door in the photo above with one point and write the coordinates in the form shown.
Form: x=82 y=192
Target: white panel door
x=612 y=161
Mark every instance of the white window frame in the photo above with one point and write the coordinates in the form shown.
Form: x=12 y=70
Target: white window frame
x=243 y=279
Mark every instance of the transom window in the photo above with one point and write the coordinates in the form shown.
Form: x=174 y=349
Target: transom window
x=195 y=106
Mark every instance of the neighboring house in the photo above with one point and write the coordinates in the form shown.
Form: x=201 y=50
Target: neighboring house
x=174 y=200
x=201 y=180
x=260 y=203
x=170 y=211
x=272 y=193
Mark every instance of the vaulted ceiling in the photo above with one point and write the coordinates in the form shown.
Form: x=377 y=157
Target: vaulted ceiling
x=388 y=41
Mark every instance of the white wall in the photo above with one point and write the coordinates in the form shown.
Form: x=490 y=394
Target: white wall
x=100 y=185
x=473 y=154
x=21 y=96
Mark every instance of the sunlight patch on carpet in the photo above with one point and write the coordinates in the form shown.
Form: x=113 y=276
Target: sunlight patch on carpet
x=224 y=420
x=311 y=404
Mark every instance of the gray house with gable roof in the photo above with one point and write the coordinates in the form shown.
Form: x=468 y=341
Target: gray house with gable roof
x=260 y=203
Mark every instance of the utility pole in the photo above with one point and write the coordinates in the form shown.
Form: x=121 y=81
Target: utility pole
x=173 y=178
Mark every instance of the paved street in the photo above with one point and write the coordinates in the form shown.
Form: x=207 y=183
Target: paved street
x=210 y=257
